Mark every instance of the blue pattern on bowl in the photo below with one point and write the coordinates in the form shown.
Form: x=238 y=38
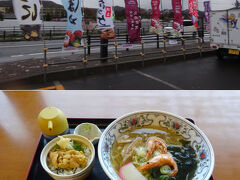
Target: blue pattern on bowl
x=189 y=132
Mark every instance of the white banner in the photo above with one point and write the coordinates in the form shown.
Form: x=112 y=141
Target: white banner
x=105 y=14
x=27 y=12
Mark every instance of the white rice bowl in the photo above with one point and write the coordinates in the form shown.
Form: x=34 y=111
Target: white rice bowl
x=76 y=173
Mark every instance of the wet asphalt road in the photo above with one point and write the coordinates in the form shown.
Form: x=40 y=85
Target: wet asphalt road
x=198 y=74
x=205 y=73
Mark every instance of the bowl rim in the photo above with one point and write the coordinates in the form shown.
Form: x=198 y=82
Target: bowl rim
x=93 y=140
x=154 y=111
x=76 y=174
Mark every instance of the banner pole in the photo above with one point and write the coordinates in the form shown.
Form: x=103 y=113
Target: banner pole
x=44 y=43
x=45 y=65
x=161 y=10
x=139 y=9
x=83 y=14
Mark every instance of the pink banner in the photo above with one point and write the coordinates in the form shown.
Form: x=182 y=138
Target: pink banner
x=177 y=9
x=155 y=24
x=133 y=20
x=207 y=14
x=193 y=10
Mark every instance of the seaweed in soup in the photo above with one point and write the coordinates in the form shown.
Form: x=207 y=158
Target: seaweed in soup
x=186 y=160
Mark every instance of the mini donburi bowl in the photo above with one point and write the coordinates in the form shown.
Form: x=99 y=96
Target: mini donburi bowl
x=79 y=175
x=186 y=129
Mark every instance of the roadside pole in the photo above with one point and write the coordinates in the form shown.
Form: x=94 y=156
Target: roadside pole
x=103 y=49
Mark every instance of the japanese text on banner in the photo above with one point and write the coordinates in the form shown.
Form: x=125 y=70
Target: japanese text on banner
x=74 y=23
x=133 y=20
x=156 y=26
x=207 y=14
x=74 y=14
x=27 y=11
x=105 y=19
x=192 y=6
x=177 y=9
x=105 y=14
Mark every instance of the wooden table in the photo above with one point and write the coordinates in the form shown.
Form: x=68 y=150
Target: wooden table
x=217 y=113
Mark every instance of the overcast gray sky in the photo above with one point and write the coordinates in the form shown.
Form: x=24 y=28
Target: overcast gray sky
x=166 y=4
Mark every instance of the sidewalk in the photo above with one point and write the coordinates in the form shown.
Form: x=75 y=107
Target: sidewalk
x=23 y=69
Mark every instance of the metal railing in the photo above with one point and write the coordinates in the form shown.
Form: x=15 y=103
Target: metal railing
x=162 y=48
x=48 y=34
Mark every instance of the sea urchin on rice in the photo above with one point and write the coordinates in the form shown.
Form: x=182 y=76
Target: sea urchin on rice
x=68 y=157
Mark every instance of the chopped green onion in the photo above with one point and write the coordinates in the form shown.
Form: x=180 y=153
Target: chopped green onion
x=166 y=169
x=77 y=146
x=163 y=177
x=56 y=147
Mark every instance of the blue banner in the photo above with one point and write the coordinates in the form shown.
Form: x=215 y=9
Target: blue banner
x=74 y=14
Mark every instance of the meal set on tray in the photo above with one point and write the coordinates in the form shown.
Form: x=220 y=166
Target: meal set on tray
x=151 y=145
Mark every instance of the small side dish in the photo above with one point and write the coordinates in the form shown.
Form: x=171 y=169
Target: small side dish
x=68 y=156
x=90 y=131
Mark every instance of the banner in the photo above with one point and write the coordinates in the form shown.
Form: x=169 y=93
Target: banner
x=207 y=14
x=74 y=23
x=105 y=19
x=155 y=27
x=177 y=9
x=27 y=13
x=133 y=20
x=192 y=6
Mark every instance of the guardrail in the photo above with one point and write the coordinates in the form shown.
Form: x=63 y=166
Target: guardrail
x=49 y=32
x=55 y=32
x=123 y=40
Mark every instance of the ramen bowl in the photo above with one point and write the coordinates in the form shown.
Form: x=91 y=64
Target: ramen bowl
x=189 y=132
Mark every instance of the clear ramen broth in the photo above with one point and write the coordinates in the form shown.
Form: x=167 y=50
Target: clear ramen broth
x=137 y=138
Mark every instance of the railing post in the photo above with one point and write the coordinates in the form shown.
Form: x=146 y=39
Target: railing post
x=142 y=53
x=104 y=50
x=164 y=51
x=183 y=48
x=45 y=65
x=85 y=57
x=200 y=45
x=127 y=41
x=158 y=41
x=118 y=32
x=89 y=44
x=116 y=56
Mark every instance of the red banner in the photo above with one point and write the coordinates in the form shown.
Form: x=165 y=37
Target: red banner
x=156 y=13
x=177 y=9
x=133 y=20
x=193 y=10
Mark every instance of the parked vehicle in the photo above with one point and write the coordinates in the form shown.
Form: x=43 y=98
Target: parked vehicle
x=188 y=28
x=225 y=32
